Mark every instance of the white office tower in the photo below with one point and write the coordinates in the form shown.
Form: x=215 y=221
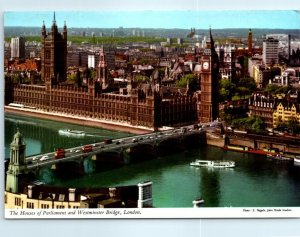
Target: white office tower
x=17 y=46
x=91 y=61
x=145 y=194
x=270 y=51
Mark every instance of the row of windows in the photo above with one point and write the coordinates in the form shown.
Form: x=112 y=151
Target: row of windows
x=45 y=206
x=17 y=201
x=30 y=205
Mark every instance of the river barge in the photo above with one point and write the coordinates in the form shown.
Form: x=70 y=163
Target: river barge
x=250 y=150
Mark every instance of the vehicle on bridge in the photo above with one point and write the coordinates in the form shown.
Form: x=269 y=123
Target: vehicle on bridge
x=44 y=158
x=107 y=141
x=87 y=148
x=59 y=153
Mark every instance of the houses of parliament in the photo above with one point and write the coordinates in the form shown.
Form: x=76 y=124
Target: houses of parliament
x=151 y=105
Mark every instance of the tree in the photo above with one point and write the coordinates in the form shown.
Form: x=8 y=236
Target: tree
x=227 y=90
x=258 y=125
x=254 y=124
x=141 y=78
x=243 y=91
x=276 y=89
x=293 y=126
x=271 y=89
x=72 y=77
x=247 y=82
x=188 y=78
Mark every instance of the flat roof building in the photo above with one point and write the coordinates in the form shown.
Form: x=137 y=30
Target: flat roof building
x=270 y=51
x=17 y=46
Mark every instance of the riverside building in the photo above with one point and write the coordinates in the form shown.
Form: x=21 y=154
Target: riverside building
x=147 y=104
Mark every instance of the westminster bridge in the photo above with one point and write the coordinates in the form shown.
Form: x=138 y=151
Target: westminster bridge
x=125 y=150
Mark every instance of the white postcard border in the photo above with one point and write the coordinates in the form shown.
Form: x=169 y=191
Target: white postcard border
x=145 y=213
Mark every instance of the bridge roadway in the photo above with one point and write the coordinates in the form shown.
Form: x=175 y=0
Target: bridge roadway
x=74 y=153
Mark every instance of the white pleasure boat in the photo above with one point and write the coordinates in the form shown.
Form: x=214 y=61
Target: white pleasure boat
x=215 y=163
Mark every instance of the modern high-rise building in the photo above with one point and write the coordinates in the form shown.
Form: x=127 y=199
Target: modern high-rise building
x=17 y=46
x=270 y=51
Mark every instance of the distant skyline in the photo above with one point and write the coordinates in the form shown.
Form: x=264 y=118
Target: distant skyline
x=186 y=19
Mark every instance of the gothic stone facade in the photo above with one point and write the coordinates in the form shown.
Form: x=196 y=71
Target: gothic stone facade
x=147 y=106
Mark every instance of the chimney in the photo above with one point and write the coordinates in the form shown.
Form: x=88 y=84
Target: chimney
x=112 y=192
x=29 y=191
x=72 y=194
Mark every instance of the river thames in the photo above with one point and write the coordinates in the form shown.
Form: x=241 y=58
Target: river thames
x=254 y=182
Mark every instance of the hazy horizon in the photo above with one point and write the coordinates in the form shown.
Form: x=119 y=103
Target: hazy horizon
x=186 y=19
x=245 y=28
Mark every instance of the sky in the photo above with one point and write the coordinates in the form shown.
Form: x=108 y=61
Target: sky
x=184 y=19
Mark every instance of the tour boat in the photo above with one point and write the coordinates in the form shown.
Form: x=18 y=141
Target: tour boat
x=297 y=160
x=69 y=132
x=214 y=164
x=279 y=157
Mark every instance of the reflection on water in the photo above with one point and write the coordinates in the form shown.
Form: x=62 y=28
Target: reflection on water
x=46 y=133
x=254 y=182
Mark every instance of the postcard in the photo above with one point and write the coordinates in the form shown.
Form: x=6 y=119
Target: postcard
x=152 y=114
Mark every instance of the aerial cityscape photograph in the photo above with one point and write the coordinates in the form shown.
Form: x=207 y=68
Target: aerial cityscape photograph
x=151 y=109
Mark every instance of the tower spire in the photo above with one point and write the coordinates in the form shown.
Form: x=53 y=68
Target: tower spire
x=212 y=43
x=54 y=26
x=54 y=21
x=17 y=163
x=43 y=29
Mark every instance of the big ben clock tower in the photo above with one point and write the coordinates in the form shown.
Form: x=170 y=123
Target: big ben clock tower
x=208 y=106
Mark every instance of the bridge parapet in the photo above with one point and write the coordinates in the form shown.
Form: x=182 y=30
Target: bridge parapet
x=155 y=139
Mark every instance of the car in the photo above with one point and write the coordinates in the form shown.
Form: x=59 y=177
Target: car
x=34 y=158
x=44 y=158
x=77 y=151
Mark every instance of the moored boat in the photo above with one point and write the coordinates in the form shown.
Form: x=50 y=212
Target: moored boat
x=297 y=160
x=280 y=157
x=250 y=150
x=214 y=164
x=69 y=132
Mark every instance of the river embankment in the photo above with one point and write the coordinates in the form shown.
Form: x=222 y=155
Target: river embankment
x=261 y=142
x=79 y=120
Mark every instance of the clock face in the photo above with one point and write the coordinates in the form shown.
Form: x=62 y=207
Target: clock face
x=205 y=65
